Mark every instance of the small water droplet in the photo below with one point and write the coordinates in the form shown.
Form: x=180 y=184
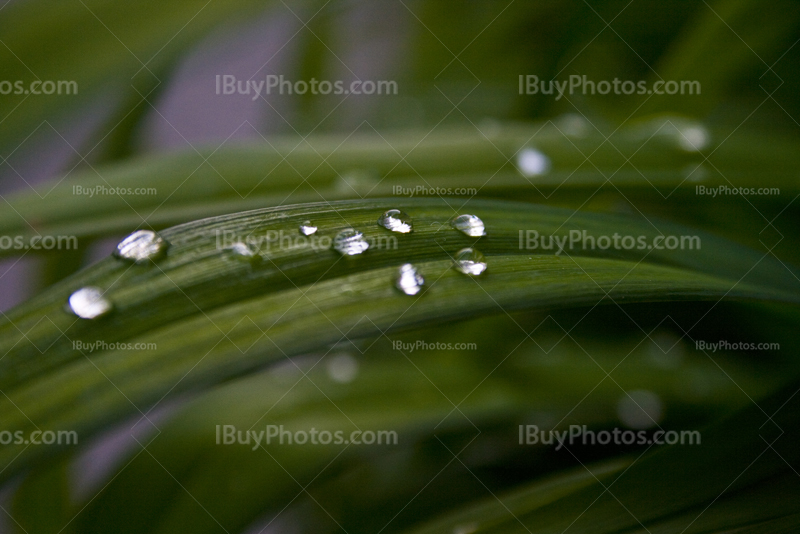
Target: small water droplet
x=307 y=228
x=342 y=368
x=89 y=303
x=532 y=162
x=409 y=281
x=640 y=409
x=396 y=221
x=350 y=242
x=693 y=138
x=470 y=261
x=469 y=224
x=243 y=251
x=140 y=246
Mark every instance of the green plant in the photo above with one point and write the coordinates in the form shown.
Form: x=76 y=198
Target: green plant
x=236 y=318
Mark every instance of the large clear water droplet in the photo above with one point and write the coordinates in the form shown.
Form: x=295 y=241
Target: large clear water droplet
x=469 y=224
x=140 y=246
x=409 y=281
x=470 y=261
x=532 y=162
x=89 y=303
x=396 y=221
x=350 y=242
x=307 y=228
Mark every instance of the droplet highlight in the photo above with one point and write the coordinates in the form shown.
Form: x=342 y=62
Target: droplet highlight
x=141 y=246
x=396 y=221
x=470 y=261
x=307 y=228
x=243 y=252
x=89 y=303
x=469 y=225
x=409 y=281
x=350 y=242
x=532 y=162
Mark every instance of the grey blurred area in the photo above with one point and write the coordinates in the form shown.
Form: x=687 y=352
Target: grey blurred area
x=366 y=41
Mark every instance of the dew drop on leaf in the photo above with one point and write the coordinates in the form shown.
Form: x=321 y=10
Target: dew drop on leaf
x=350 y=242
x=307 y=228
x=469 y=225
x=470 y=261
x=409 y=281
x=396 y=221
x=243 y=252
x=140 y=246
x=89 y=303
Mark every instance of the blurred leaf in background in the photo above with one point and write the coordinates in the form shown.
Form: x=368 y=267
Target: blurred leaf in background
x=594 y=234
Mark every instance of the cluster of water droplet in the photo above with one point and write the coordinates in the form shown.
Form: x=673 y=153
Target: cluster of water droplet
x=143 y=246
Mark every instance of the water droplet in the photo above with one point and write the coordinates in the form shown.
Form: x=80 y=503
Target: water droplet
x=89 y=303
x=693 y=138
x=350 y=242
x=243 y=251
x=140 y=246
x=409 y=281
x=469 y=224
x=307 y=228
x=640 y=409
x=470 y=261
x=396 y=221
x=342 y=368
x=532 y=162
